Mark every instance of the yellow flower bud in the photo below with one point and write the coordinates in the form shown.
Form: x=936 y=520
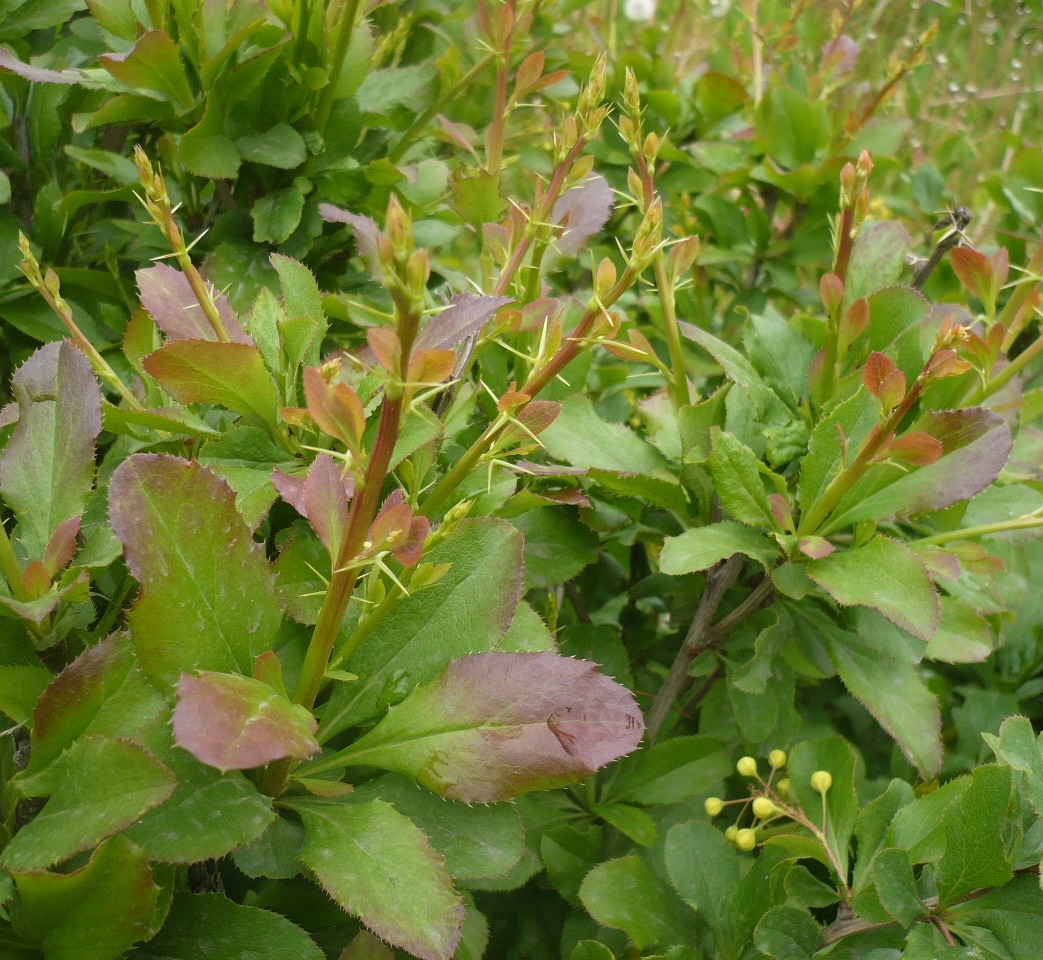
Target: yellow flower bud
x=731 y=833
x=746 y=839
x=713 y=806
x=777 y=759
x=821 y=781
x=783 y=787
x=747 y=766
x=764 y=808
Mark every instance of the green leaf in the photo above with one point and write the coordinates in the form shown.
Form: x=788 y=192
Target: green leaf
x=496 y=725
x=101 y=692
x=885 y=575
x=737 y=480
x=975 y=854
x=208 y=595
x=793 y=126
x=233 y=722
x=467 y=611
x=1013 y=915
x=527 y=633
x=47 y=470
x=280 y=146
x=277 y=214
x=379 y=866
x=787 y=933
x=626 y=895
x=557 y=546
x=877 y=260
x=702 y=547
x=244 y=457
x=167 y=419
x=581 y=438
x=212 y=926
x=927 y=942
x=230 y=374
x=672 y=771
x=1020 y=748
x=94 y=913
x=704 y=869
x=153 y=63
x=896 y=886
x=383 y=90
x=276 y=853
x=918 y=827
x=895 y=694
x=208 y=815
x=872 y=825
x=477 y=842
x=591 y=950
x=20 y=688
x=836 y=756
x=100 y=786
x=630 y=821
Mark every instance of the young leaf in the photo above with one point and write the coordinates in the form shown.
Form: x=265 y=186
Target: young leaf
x=580 y=437
x=583 y=211
x=237 y=723
x=379 y=866
x=100 y=786
x=47 y=470
x=496 y=725
x=208 y=595
x=467 y=611
x=877 y=260
x=94 y=913
x=101 y=692
x=884 y=575
x=167 y=296
x=465 y=316
x=1020 y=748
x=230 y=374
x=212 y=926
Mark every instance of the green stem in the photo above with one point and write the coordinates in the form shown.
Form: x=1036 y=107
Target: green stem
x=679 y=391
x=345 y=29
x=423 y=119
x=1029 y=521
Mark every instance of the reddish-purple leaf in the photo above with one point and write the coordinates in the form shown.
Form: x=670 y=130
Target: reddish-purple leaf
x=61 y=546
x=167 y=296
x=815 y=547
x=916 y=447
x=386 y=347
x=233 y=722
x=840 y=55
x=496 y=725
x=207 y=593
x=326 y=496
x=974 y=270
x=47 y=471
x=291 y=488
x=367 y=233
x=583 y=211
x=466 y=314
x=335 y=407
x=876 y=370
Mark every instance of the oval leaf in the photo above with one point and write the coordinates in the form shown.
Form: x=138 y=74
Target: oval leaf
x=238 y=723
x=378 y=865
x=496 y=725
